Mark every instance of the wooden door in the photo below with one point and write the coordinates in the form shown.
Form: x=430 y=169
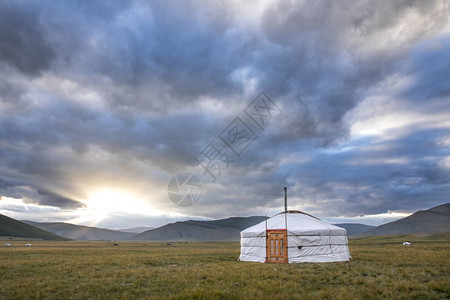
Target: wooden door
x=277 y=246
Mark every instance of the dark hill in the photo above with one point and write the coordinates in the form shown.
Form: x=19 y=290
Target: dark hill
x=433 y=220
x=13 y=228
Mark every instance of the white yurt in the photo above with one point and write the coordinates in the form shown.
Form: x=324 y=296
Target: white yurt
x=294 y=237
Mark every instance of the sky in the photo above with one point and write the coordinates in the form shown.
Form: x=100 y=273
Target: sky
x=102 y=103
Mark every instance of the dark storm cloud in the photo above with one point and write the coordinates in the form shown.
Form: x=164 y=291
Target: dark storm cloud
x=51 y=199
x=7 y=188
x=133 y=79
x=317 y=54
x=22 y=38
x=153 y=55
x=405 y=174
x=21 y=189
x=365 y=176
x=430 y=66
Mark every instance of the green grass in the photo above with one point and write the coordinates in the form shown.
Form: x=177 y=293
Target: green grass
x=380 y=269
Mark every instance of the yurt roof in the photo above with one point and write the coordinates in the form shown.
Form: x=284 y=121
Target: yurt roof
x=298 y=223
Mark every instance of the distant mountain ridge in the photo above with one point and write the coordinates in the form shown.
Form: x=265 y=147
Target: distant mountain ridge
x=136 y=230
x=433 y=220
x=354 y=228
x=81 y=233
x=10 y=227
x=217 y=230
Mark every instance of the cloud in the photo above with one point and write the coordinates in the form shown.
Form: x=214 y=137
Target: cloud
x=22 y=38
x=125 y=94
x=429 y=67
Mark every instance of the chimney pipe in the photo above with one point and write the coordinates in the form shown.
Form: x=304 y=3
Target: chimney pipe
x=285 y=199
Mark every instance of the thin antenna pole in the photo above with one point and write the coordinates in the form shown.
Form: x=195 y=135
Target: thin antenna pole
x=267 y=240
x=286 y=225
x=266 y=227
x=285 y=198
x=285 y=220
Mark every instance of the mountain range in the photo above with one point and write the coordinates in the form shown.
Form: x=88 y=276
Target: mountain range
x=433 y=220
x=81 y=233
x=218 y=230
x=136 y=230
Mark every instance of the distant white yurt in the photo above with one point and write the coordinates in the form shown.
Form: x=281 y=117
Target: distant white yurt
x=294 y=237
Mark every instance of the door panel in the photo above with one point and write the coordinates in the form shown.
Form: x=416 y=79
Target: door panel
x=276 y=246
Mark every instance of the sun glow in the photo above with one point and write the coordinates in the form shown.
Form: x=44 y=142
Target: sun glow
x=106 y=202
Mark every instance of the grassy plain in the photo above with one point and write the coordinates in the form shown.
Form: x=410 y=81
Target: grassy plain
x=381 y=268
